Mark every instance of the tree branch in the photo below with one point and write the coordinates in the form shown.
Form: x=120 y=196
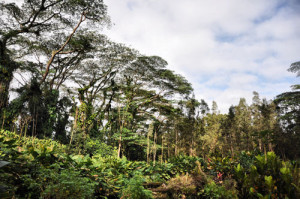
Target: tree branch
x=54 y=53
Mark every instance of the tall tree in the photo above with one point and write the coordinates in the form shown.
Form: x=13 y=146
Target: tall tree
x=211 y=138
x=288 y=107
x=257 y=119
x=95 y=83
x=214 y=108
x=42 y=26
x=229 y=131
x=145 y=86
x=242 y=121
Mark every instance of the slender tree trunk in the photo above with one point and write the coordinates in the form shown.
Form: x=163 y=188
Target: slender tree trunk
x=21 y=128
x=232 y=140
x=265 y=152
x=168 y=151
x=232 y=151
x=162 y=149
x=33 y=122
x=270 y=147
x=260 y=144
x=149 y=135
x=74 y=125
x=192 y=147
x=26 y=130
x=148 y=147
x=176 y=143
x=3 y=119
x=154 y=147
x=120 y=145
x=36 y=121
x=122 y=124
x=120 y=141
x=32 y=131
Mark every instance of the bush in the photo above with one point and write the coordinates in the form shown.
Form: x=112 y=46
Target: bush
x=39 y=169
x=184 y=164
x=134 y=189
x=95 y=147
x=267 y=177
x=182 y=185
x=66 y=184
x=214 y=191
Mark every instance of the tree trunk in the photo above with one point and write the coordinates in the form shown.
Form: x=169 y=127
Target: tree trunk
x=192 y=148
x=260 y=144
x=149 y=135
x=5 y=79
x=7 y=67
x=270 y=147
x=154 y=147
x=162 y=149
x=4 y=86
x=232 y=142
x=3 y=119
x=176 y=143
x=148 y=147
x=120 y=145
x=168 y=151
x=120 y=138
x=74 y=126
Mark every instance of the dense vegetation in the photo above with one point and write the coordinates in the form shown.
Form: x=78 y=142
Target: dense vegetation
x=91 y=118
x=45 y=168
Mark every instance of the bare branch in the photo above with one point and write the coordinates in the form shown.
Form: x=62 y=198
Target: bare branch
x=54 y=53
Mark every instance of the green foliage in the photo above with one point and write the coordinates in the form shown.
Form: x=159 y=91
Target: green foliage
x=289 y=116
x=66 y=183
x=134 y=189
x=222 y=165
x=212 y=190
x=48 y=171
x=44 y=169
x=159 y=172
x=268 y=176
x=95 y=147
x=246 y=159
x=183 y=164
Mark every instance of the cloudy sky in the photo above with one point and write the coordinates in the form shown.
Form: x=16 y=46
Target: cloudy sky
x=226 y=48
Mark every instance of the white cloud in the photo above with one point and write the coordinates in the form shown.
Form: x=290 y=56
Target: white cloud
x=227 y=49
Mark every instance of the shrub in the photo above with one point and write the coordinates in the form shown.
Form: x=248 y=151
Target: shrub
x=182 y=185
x=134 y=189
x=212 y=190
x=267 y=177
x=66 y=184
x=183 y=164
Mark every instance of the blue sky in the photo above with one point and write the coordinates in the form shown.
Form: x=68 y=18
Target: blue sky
x=227 y=49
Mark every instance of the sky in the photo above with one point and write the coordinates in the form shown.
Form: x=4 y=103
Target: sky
x=226 y=48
